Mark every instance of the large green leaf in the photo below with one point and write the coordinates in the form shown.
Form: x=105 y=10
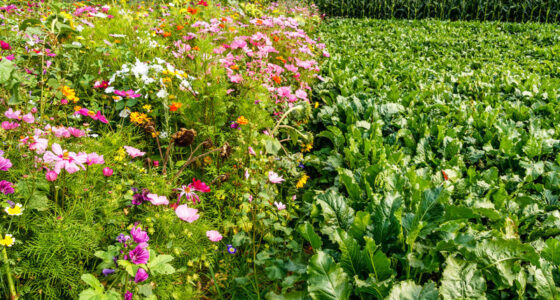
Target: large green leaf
x=551 y=251
x=377 y=262
x=327 y=281
x=306 y=230
x=408 y=290
x=385 y=224
x=462 y=280
x=352 y=259
x=336 y=213
x=161 y=264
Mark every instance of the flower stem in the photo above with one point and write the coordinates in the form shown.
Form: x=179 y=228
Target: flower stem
x=13 y=294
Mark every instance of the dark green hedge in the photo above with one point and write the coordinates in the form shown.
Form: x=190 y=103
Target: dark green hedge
x=498 y=10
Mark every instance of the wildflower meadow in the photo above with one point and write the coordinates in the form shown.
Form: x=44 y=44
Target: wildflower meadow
x=209 y=149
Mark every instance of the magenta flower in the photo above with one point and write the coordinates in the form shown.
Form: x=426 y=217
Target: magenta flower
x=158 y=200
x=139 y=236
x=199 y=186
x=63 y=159
x=141 y=275
x=5 y=45
x=128 y=94
x=213 y=235
x=133 y=152
x=5 y=164
x=39 y=145
x=274 y=177
x=186 y=213
x=9 y=125
x=280 y=205
x=6 y=187
x=189 y=191
x=139 y=255
x=51 y=175
x=107 y=172
x=99 y=117
x=128 y=295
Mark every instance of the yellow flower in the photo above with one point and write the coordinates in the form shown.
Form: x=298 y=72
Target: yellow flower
x=8 y=240
x=316 y=104
x=302 y=181
x=15 y=210
x=242 y=120
x=121 y=155
x=147 y=107
x=207 y=160
x=138 y=118
x=306 y=147
x=70 y=94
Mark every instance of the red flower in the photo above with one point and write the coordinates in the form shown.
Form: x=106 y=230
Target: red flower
x=444 y=175
x=203 y=3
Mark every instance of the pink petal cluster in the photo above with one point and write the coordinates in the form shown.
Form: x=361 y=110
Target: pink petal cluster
x=273 y=177
x=214 y=236
x=63 y=159
x=133 y=152
x=186 y=213
x=158 y=200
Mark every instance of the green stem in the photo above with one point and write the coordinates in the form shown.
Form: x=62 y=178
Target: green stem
x=255 y=255
x=13 y=294
x=216 y=282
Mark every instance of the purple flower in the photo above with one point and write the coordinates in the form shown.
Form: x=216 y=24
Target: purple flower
x=231 y=249
x=107 y=272
x=122 y=238
x=6 y=187
x=141 y=275
x=139 y=236
x=234 y=125
x=5 y=164
x=138 y=199
x=128 y=295
x=139 y=255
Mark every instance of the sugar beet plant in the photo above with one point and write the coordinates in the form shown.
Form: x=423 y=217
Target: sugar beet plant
x=440 y=162
x=499 y=10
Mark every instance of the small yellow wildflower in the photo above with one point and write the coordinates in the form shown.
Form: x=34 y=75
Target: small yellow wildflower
x=307 y=147
x=207 y=160
x=147 y=107
x=7 y=241
x=302 y=181
x=15 y=210
x=138 y=118
x=121 y=155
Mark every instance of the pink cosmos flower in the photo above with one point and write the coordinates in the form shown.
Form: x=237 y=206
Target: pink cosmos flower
x=139 y=255
x=189 y=191
x=99 y=117
x=9 y=125
x=28 y=118
x=11 y=114
x=51 y=175
x=5 y=164
x=133 y=152
x=60 y=132
x=128 y=94
x=39 y=145
x=63 y=159
x=246 y=174
x=186 y=213
x=10 y=57
x=158 y=200
x=94 y=158
x=235 y=78
x=107 y=172
x=274 y=177
x=280 y=205
x=214 y=236
x=76 y=132
x=251 y=151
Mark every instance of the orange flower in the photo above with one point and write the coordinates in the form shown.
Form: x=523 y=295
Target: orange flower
x=195 y=48
x=222 y=25
x=242 y=121
x=277 y=79
x=234 y=67
x=179 y=27
x=191 y=10
x=259 y=22
x=276 y=38
x=175 y=106
x=280 y=58
x=167 y=34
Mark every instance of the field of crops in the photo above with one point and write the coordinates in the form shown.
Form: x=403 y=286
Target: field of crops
x=439 y=156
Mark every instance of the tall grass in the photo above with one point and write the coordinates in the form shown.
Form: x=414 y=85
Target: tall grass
x=547 y=11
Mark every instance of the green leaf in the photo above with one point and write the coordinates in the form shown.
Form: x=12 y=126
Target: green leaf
x=377 y=262
x=326 y=279
x=93 y=282
x=90 y=294
x=386 y=225
x=462 y=280
x=544 y=281
x=408 y=290
x=306 y=230
x=160 y=264
x=352 y=260
x=360 y=225
x=352 y=187
x=6 y=69
x=272 y=145
x=336 y=213
x=551 y=251
x=298 y=295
